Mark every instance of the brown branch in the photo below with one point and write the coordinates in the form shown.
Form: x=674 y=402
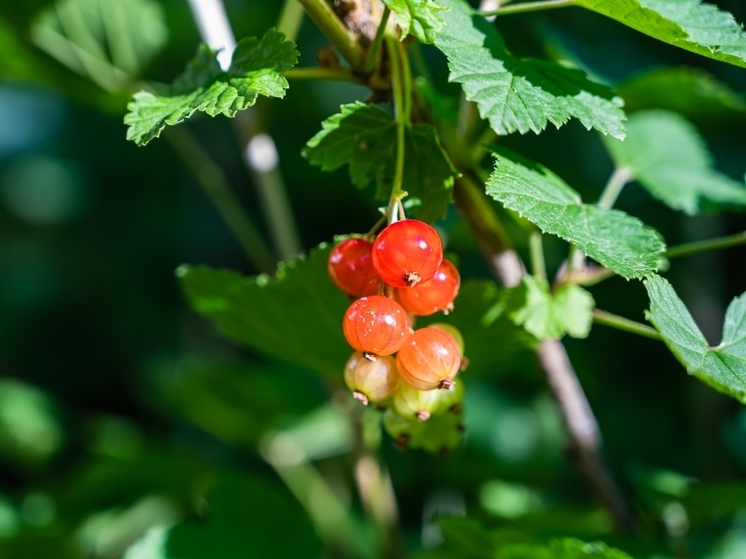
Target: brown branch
x=563 y=382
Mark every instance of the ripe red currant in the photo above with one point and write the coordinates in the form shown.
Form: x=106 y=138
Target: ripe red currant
x=433 y=295
x=407 y=252
x=429 y=359
x=350 y=266
x=371 y=381
x=376 y=325
x=453 y=331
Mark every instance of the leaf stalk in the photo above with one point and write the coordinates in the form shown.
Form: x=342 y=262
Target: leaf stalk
x=528 y=7
x=618 y=180
x=696 y=247
x=371 y=58
x=342 y=38
x=621 y=323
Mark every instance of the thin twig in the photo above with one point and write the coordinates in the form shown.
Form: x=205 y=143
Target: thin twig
x=375 y=48
x=563 y=382
x=260 y=152
x=345 y=40
x=322 y=74
x=213 y=181
x=621 y=323
x=529 y=7
x=703 y=246
x=291 y=18
x=613 y=188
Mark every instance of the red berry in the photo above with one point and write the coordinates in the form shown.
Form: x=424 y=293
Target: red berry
x=407 y=252
x=433 y=295
x=371 y=381
x=350 y=266
x=429 y=359
x=376 y=325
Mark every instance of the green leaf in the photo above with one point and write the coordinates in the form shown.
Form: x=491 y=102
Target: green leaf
x=492 y=338
x=364 y=136
x=688 y=24
x=618 y=241
x=724 y=366
x=668 y=157
x=421 y=18
x=517 y=94
x=107 y=41
x=256 y=69
x=248 y=518
x=467 y=537
x=549 y=315
x=692 y=92
x=296 y=317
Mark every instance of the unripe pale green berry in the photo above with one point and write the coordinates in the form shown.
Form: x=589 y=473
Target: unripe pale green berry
x=371 y=381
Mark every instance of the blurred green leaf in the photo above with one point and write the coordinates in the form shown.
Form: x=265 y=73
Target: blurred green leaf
x=248 y=518
x=724 y=366
x=108 y=41
x=296 y=317
x=550 y=315
x=364 y=136
x=618 y=241
x=520 y=94
x=236 y=402
x=692 y=92
x=29 y=426
x=256 y=69
x=421 y=18
x=469 y=539
x=492 y=338
x=688 y=24
x=666 y=154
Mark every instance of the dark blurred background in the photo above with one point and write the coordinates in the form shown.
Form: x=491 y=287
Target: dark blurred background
x=103 y=363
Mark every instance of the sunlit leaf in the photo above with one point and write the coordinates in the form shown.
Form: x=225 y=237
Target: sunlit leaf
x=688 y=24
x=612 y=238
x=520 y=94
x=421 y=18
x=724 y=366
x=256 y=69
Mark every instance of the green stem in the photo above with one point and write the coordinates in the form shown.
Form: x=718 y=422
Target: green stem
x=372 y=58
x=291 y=18
x=213 y=181
x=538 y=266
x=529 y=7
x=704 y=246
x=322 y=74
x=401 y=122
x=621 y=323
x=406 y=73
x=345 y=40
x=619 y=178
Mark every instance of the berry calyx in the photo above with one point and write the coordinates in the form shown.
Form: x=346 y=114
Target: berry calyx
x=411 y=403
x=407 y=252
x=371 y=381
x=429 y=359
x=433 y=295
x=350 y=266
x=376 y=326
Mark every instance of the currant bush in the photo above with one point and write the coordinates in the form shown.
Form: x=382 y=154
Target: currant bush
x=407 y=252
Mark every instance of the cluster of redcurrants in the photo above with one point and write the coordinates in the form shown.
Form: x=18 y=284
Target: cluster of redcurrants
x=399 y=275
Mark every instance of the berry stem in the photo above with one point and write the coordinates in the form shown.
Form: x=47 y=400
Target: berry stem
x=371 y=60
x=621 y=323
x=528 y=7
x=398 y=71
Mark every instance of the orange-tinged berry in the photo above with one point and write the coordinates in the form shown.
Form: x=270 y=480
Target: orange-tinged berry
x=407 y=252
x=430 y=358
x=433 y=295
x=371 y=381
x=350 y=266
x=376 y=325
